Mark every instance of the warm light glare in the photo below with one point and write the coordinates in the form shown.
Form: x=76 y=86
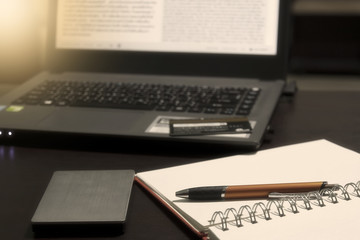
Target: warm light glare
x=13 y=13
x=22 y=34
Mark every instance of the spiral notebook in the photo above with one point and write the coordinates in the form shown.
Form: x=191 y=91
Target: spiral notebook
x=330 y=214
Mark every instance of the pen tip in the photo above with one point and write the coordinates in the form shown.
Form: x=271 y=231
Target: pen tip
x=183 y=193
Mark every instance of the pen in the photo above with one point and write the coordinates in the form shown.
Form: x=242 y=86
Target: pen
x=249 y=191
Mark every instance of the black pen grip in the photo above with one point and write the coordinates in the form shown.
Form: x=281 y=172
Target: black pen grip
x=207 y=193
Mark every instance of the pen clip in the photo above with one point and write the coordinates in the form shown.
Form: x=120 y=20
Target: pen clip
x=278 y=195
x=307 y=195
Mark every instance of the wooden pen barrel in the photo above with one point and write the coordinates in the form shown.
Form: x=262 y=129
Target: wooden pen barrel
x=263 y=190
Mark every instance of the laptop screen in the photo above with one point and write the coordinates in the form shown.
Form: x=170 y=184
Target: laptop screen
x=230 y=38
x=203 y=26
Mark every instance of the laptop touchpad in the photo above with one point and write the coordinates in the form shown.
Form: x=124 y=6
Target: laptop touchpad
x=91 y=121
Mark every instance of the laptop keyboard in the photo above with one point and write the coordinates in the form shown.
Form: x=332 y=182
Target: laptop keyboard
x=159 y=97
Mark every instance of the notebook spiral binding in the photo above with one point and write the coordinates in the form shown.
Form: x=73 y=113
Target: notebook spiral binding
x=293 y=200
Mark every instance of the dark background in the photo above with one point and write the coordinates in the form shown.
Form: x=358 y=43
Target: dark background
x=326 y=37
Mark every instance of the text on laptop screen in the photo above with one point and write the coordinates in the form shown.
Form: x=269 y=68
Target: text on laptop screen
x=200 y=26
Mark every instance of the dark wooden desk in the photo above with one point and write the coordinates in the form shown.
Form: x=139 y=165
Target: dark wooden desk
x=25 y=172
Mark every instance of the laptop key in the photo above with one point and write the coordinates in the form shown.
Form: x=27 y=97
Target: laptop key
x=211 y=110
x=113 y=105
x=227 y=111
x=195 y=109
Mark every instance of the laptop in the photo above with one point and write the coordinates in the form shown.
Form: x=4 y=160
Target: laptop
x=124 y=69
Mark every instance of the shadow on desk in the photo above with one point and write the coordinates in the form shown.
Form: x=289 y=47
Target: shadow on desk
x=122 y=145
x=76 y=231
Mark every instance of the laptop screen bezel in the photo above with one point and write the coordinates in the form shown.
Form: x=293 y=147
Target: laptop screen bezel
x=169 y=63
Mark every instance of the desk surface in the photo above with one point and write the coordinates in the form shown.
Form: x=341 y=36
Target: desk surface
x=25 y=172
